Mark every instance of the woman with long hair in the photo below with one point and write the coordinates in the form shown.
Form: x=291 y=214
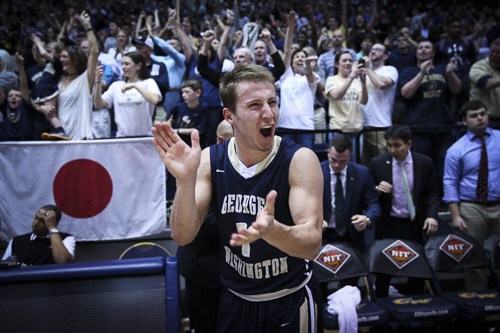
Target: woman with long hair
x=74 y=104
x=134 y=100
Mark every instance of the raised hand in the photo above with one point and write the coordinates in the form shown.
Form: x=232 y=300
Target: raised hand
x=99 y=73
x=266 y=36
x=181 y=160
x=19 y=60
x=84 y=19
x=291 y=20
x=208 y=36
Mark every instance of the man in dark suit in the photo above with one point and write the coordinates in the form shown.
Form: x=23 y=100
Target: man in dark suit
x=361 y=208
x=350 y=205
x=406 y=184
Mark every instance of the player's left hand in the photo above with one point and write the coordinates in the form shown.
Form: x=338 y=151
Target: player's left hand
x=262 y=225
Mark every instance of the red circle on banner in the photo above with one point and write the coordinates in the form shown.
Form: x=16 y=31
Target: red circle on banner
x=82 y=188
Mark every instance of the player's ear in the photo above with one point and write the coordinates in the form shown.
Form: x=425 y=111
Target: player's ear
x=228 y=115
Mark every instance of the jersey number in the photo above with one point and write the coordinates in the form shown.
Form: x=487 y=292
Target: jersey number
x=245 y=248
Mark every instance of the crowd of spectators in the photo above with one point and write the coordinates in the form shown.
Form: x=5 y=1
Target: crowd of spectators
x=458 y=34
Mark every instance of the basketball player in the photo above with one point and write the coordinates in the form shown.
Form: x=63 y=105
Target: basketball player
x=267 y=196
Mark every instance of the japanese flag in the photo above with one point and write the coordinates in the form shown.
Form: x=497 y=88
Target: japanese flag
x=106 y=189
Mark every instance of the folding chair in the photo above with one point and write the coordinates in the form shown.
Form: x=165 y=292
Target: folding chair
x=448 y=256
x=341 y=261
x=401 y=258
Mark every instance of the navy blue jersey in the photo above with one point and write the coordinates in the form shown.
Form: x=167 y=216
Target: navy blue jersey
x=259 y=267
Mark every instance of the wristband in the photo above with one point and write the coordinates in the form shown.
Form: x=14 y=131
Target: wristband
x=88 y=29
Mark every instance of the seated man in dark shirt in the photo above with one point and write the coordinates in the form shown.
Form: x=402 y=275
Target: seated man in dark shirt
x=45 y=244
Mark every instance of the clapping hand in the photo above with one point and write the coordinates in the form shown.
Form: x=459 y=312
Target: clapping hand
x=262 y=225
x=181 y=160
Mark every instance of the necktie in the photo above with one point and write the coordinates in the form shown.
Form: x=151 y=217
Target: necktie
x=482 y=177
x=406 y=189
x=340 y=214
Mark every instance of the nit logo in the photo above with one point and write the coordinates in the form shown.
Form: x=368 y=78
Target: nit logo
x=400 y=254
x=456 y=247
x=332 y=258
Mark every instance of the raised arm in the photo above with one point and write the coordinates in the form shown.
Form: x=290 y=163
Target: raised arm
x=138 y=26
x=374 y=15
x=157 y=26
x=84 y=19
x=210 y=74
x=169 y=24
x=62 y=33
x=187 y=46
x=23 y=80
x=191 y=169
x=224 y=39
x=166 y=47
x=279 y=66
x=344 y=16
x=302 y=240
x=291 y=21
x=41 y=48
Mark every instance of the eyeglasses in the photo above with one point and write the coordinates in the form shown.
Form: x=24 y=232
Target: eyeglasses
x=377 y=49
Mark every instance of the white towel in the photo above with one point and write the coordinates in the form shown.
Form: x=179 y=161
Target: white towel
x=343 y=302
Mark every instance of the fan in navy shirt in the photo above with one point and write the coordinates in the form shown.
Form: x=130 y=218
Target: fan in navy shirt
x=190 y=114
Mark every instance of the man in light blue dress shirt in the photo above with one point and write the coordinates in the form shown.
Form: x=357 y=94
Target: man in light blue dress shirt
x=474 y=210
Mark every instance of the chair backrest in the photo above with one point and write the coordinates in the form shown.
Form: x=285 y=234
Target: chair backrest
x=454 y=251
x=144 y=250
x=398 y=257
x=341 y=261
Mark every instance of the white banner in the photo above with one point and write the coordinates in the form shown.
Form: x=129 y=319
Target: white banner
x=106 y=189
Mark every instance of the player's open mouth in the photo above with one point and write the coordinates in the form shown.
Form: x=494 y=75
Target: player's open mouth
x=266 y=131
